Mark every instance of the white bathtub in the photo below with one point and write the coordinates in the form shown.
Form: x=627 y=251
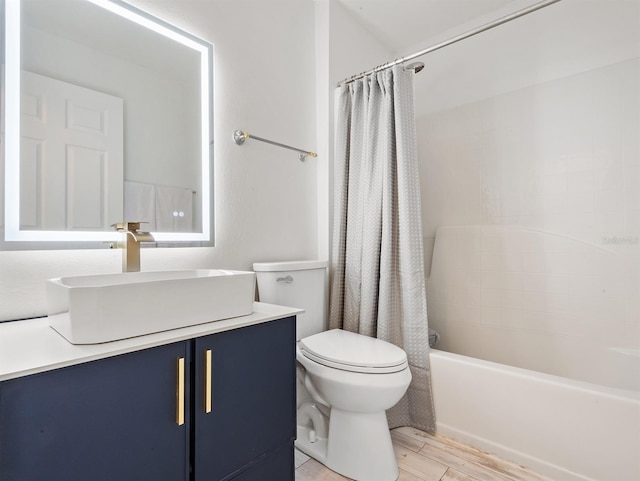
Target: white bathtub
x=565 y=429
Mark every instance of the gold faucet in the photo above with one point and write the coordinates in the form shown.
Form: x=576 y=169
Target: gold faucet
x=131 y=244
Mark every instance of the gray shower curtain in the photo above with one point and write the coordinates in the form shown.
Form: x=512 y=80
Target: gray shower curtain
x=377 y=269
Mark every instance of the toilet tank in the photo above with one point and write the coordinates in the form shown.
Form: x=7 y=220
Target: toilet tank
x=300 y=284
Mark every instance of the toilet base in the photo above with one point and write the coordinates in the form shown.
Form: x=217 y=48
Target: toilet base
x=359 y=446
x=317 y=450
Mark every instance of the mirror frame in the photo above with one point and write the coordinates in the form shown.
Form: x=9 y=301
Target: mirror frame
x=12 y=127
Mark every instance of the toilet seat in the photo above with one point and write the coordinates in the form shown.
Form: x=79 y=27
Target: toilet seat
x=353 y=352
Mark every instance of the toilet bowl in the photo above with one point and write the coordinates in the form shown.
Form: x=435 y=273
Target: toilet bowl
x=358 y=378
x=346 y=381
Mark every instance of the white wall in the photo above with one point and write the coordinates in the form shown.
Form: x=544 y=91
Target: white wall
x=265 y=199
x=557 y=41
x=562 y=157
x=343 y=48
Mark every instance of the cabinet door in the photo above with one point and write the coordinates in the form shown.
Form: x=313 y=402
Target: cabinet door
x=279 y=465
x=107 y=420
x=253 y=397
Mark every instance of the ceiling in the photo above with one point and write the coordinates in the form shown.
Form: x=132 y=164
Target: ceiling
x=401 y=24
x=560 y=40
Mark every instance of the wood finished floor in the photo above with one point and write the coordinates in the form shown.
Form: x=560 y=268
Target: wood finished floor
x=426 y=457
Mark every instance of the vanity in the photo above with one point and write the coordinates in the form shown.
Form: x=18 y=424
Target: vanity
x=208 y=402
x=127 y=136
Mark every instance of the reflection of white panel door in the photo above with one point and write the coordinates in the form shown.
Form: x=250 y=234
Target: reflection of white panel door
x=71 y=160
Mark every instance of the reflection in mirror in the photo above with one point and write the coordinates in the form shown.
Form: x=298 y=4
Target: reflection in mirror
x=107 y=117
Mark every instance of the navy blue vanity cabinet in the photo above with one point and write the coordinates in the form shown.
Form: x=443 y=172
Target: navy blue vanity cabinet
x=106 y=420
x=278 y=465
x=245 y=429
x=168 y=413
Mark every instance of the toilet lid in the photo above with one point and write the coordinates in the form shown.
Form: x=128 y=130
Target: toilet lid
x=353 y=352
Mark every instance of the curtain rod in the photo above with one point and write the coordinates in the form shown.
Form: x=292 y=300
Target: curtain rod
x=470 y=33
x=239 y=137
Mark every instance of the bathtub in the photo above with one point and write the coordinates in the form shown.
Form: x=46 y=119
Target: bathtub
x=565 y=429
x=538 y=359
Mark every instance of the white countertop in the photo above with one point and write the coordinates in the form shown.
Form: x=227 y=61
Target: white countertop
x=31 y=346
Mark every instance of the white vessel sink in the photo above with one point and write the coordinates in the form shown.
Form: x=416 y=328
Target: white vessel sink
x=95 y=309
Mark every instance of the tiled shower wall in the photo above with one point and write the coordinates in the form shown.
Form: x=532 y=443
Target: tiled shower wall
x=560 y=157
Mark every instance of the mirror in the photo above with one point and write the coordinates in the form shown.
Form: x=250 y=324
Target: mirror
x=107 y=116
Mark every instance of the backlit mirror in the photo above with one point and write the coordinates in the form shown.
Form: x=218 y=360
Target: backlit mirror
x=106 y=117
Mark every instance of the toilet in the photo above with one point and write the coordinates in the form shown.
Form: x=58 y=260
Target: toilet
x=345 y=381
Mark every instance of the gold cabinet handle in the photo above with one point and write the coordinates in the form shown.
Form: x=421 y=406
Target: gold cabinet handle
x=180 y=392
x=208 y=381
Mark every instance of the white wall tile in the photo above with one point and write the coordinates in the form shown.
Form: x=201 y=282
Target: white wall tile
x=562 y=157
